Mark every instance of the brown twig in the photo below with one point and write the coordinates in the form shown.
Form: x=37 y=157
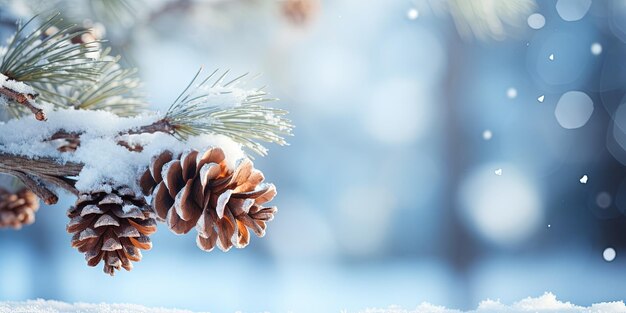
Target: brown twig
x=130 y=147
x=38 y=175
x=24 y=99
x=41 y=190
x=45 y=166
x=162 y=125
x=62 y=134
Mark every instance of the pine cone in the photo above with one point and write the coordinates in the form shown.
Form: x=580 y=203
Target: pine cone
x=111 y=226
x=198 y=190
x=300 y=12
x=17 y=209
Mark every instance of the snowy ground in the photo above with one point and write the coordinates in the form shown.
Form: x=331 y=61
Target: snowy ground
x=48 y=306
x=546 y=303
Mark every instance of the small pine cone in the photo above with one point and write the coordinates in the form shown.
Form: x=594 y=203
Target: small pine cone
x=198 y=190
x=111 y=226
x=17 y=209
x=300 y=12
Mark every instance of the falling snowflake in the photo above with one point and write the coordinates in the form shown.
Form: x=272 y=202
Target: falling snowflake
x=583 y=180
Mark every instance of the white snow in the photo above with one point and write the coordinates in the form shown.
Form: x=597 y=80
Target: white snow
x=48 y=306
x=15 y=85
x=543 y=304
x=106 y=162
x=541 y=98
x=551 y=57
x=498 y=172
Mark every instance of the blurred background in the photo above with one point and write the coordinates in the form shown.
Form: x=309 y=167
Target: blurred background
x=445 y=151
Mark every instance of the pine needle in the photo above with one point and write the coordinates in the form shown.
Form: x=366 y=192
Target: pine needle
x=248 y=123
x=42 y=61
x=115 y=90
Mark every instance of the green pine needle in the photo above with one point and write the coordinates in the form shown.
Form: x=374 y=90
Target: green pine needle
x=115 y=90
x=247 y=123
x=40 y=61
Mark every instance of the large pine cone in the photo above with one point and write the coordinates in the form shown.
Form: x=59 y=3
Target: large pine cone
x=198 y=190
x=17 y=209
x=111 y=226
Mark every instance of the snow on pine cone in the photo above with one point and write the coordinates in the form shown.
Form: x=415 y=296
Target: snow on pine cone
x=17 y=209
x=111 y=226
x=199 y=190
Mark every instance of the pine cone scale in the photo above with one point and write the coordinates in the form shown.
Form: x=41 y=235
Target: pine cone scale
x=178 y=225
x=161 y=201
x=173 y=177
x=106 y=220
x=188 y=164
x=156 y=166
x=185 y=202
x=208 y=173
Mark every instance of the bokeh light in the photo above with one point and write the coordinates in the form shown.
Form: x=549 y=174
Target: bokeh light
x=596 y=48
x=572 y=10
x=397 y=111
x=536 y=21
x=574 y=109
x=609 y=254
x=503 y=209
x=604 y=200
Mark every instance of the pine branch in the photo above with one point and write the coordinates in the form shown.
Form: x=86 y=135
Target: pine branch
x=41 y=61
x=162 y=125
x=195 y=112
x=158 y=126
x=25 y=99
x=41 y=190
x=41 y=174
x=115 y=90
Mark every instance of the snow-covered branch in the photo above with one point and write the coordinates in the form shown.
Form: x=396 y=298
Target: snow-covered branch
x=100 y=145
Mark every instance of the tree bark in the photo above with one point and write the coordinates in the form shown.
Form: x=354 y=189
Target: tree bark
x=39 y=175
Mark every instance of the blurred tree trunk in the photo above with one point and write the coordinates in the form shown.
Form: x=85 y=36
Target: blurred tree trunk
x=460 y=246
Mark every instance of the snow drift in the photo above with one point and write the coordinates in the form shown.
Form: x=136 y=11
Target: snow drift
x=543 y=304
